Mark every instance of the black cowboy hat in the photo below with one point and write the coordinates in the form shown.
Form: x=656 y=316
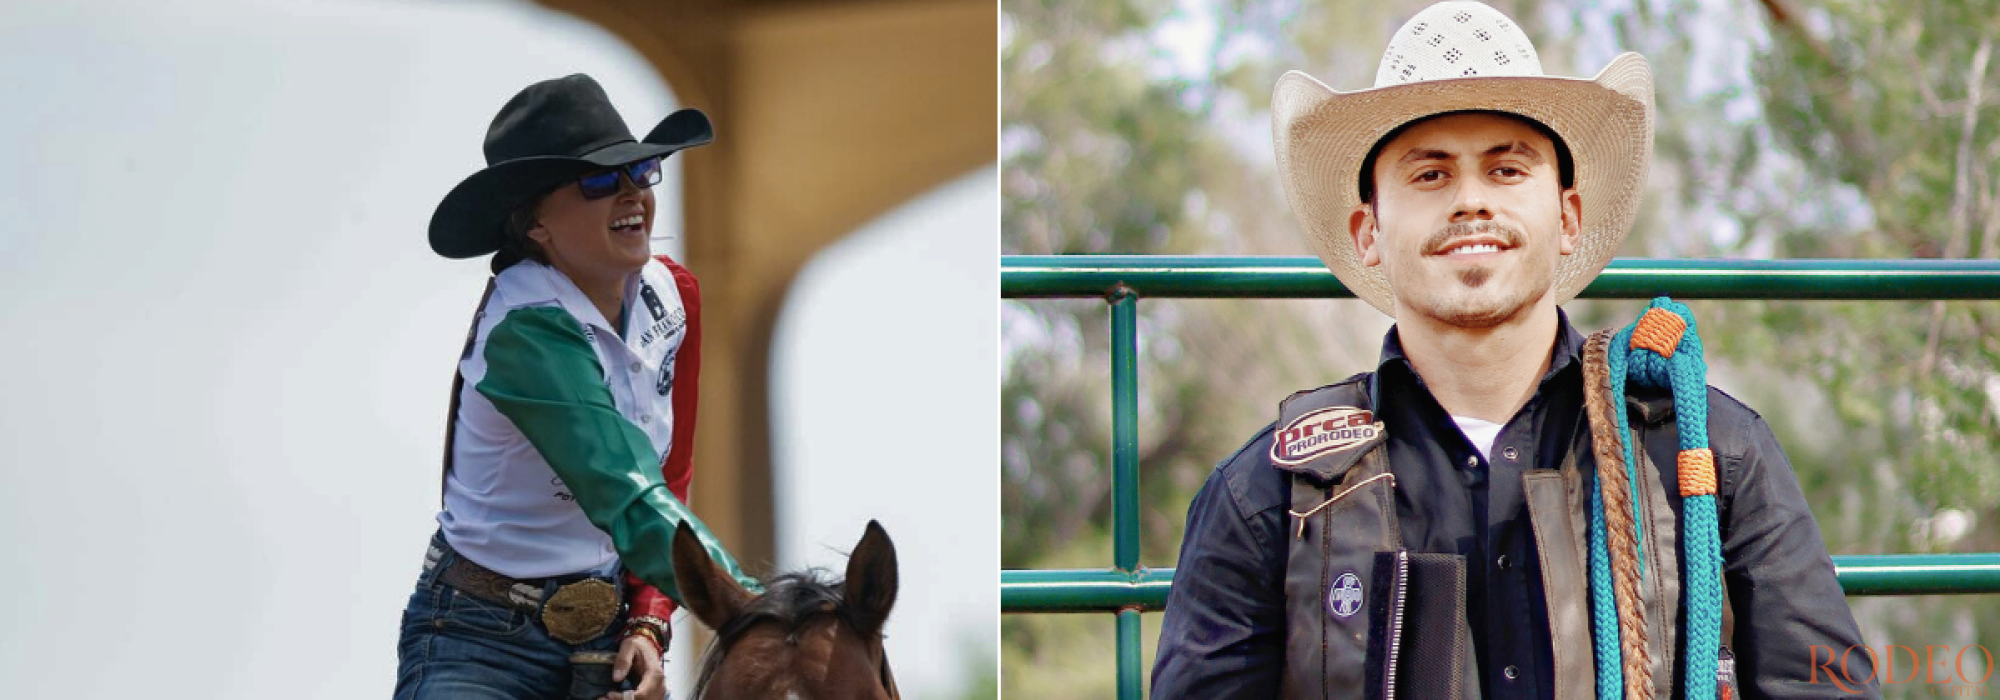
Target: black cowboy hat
x=552 y=132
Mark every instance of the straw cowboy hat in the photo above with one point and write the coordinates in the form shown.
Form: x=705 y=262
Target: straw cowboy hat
x=552 y=132
x=1455 y=57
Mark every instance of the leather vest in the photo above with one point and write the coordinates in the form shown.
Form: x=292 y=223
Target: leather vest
x=1343 y=635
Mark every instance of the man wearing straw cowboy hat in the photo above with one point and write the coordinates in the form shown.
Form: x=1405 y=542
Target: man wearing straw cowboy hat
x=1504 y=508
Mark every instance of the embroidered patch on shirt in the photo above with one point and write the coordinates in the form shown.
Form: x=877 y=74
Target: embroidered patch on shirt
x=663 y=328
x=1323 y=431
x=1345 y=598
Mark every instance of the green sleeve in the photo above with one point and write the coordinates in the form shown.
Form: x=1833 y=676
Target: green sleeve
x=542 y=374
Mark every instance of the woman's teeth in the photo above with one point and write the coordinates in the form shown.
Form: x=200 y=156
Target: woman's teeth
x=632 y=221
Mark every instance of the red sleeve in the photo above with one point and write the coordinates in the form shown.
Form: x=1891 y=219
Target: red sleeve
x=678 y=467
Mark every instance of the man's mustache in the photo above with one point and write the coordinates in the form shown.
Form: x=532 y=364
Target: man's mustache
x=1451 y=233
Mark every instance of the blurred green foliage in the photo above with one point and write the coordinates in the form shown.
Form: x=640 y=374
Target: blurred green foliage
x=1787 y=128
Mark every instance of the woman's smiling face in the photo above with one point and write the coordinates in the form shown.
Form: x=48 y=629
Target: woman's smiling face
x=604 y=238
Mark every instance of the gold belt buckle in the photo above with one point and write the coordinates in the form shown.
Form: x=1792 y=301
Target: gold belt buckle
x=580 y=611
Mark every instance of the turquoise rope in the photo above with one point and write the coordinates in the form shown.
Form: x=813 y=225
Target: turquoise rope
x=1605 y=644
x=1701 y=546
x=1603 y=607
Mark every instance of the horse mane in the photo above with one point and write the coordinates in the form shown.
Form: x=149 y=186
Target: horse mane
x=790 y=599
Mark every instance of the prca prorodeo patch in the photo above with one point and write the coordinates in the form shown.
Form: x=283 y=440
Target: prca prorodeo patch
x=1324 y=431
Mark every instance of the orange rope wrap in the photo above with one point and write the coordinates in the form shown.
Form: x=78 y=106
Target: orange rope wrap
x=1697 y=472
x=1659 y=330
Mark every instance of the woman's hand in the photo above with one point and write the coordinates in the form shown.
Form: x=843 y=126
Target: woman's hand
x=637 y=654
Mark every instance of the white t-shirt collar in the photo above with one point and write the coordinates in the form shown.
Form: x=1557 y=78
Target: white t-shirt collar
x=1480 y=433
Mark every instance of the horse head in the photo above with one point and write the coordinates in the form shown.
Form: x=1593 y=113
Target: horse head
x=806 y=638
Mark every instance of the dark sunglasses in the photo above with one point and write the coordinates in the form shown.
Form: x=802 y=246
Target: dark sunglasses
x=604 y=183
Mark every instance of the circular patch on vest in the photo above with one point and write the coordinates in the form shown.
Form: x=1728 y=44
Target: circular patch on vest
x=1345 y=598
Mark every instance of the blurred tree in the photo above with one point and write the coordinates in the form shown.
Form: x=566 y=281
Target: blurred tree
x=1897 y=101
x=1880 y=137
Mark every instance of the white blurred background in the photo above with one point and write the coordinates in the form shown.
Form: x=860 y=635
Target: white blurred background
x=228 y=346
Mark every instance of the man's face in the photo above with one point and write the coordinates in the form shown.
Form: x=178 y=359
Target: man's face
x=602 y=238
x=1469 y=219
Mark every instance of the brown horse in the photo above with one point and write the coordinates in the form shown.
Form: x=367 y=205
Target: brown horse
x=806 y=638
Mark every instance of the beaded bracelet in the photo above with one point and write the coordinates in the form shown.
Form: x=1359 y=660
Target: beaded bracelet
x=649 y=634
x=653 y=628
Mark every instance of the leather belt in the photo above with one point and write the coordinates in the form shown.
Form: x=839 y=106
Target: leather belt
x=485 y=584
x=577 y=612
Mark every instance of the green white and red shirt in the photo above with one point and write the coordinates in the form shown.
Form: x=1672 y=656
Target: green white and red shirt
x=567 y=450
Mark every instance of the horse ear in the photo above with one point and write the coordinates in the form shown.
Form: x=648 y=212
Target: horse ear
x=713 y=596
x=871 y=578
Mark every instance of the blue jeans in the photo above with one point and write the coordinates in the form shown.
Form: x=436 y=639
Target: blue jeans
x=455 y=645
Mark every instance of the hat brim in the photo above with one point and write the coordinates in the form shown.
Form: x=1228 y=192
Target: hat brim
x=468 y=221
x=1322 y=135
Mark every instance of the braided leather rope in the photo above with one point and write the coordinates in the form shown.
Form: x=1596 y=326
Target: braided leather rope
x=1614 y=536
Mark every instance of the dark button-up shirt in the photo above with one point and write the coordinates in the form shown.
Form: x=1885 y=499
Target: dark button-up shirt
x=1224 y=630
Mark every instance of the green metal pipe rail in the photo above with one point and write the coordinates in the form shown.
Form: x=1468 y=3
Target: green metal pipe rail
x=1128 y=589
x=1114 y=590
x=1099 y=276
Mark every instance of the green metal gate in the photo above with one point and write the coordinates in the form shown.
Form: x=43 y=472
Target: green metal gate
x=1126 y=588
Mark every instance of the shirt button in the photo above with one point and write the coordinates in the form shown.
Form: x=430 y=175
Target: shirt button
x=1509 y=453
x=1506 y=563
x=647 y=418
x=636 y=367
x=1510 y=672
x=1472 y=461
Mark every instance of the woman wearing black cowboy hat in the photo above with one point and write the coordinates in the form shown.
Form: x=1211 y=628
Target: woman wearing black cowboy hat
x=568 y=449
